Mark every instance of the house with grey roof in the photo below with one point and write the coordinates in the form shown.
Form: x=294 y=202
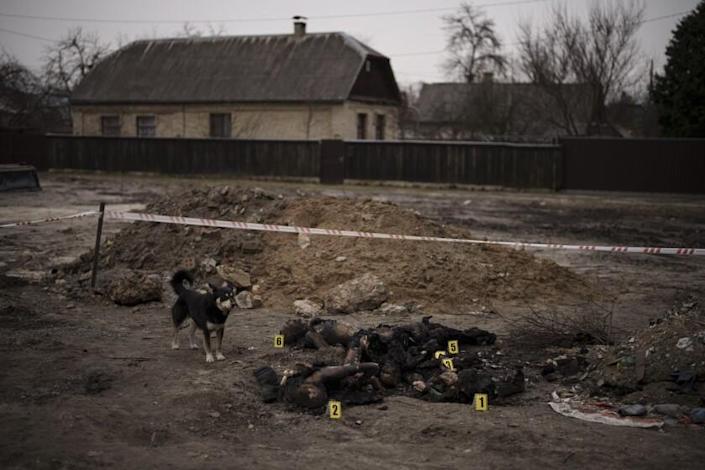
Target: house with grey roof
x=491 y=110
x=292 y=86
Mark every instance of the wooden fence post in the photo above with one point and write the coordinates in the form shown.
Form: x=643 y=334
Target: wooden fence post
x=332 y=161
x=96 y=252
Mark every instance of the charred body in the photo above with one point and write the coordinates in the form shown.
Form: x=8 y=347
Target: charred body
x=387 y=360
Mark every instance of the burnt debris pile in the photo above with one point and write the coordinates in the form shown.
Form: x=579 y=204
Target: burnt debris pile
x=364 y=366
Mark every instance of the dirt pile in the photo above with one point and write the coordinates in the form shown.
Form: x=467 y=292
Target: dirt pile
x=658 y=372
x=665 y=361
x=441 y=277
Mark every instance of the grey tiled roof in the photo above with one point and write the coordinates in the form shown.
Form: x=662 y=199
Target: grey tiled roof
x=273 y=68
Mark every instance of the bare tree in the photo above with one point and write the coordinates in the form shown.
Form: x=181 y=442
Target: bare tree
x=473 y=44
x=24 y=100
x=70 y=59
x=21 y=94
x=409 y=112
x=215 y=30
x=15 y=76
x=190 y=30
x=575 y=61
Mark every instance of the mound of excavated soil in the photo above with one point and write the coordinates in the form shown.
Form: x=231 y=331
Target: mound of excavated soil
x=440 y=276
x=662 y=363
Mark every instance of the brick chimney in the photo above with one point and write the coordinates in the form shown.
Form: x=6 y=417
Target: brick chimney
x=299 y=26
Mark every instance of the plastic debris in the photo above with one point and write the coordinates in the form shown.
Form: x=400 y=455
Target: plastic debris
x=600 y=413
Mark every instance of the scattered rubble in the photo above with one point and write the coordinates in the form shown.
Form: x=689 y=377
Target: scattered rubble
x=659 y=361
x=366 y=292
x=308 y=308
x=697 y=415
x=304 y=241
x=235 y=276
x=245 y=300
x=632 y=410
x=685 y=343
x=669 y=409
x=659 y=372
x=134 y=288
x=393 y=309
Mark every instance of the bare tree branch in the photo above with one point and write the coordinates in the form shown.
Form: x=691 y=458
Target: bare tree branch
x=473 y=44
x=70 y=59
x=190 y=30
x=24 y=101
x=601 y=54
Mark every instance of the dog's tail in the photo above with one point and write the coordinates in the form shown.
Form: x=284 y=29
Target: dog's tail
x=177 y=281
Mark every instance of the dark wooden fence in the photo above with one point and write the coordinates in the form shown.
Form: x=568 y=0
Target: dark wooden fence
x=653 y=165
x=478 y=163
x=293 y=158
x=187 y=156
x=23 y=147
x=671 y=165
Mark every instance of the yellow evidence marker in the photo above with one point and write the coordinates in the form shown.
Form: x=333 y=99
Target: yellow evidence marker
x=481 y=402
x=448 y=364
x=335 y=409
x=453 y=346
x=439 y=354
x=279 y=341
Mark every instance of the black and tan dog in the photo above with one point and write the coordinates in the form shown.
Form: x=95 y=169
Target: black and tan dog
x=208 y=312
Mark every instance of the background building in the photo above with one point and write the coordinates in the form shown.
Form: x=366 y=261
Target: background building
x=296 y=86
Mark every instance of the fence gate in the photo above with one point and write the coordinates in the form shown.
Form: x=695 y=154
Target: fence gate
x=332 y=162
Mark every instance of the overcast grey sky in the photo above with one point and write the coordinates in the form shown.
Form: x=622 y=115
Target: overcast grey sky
x=413 y=40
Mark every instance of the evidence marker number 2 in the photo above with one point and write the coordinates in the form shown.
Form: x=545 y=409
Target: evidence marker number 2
x=335 y=409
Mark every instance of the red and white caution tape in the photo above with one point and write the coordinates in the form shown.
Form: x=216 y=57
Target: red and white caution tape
x=50 y=219
x=165 y=219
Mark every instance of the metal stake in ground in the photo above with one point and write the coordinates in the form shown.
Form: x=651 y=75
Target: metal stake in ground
x=96 y=252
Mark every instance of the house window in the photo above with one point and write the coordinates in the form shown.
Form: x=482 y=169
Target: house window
x=146 y=126
x=220 y=125
x=110 y=125
x=368 y=66
x=362 y=126
x=380 y=122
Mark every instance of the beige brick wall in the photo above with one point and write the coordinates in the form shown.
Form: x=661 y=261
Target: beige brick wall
x=254 y=121
x=345 y=120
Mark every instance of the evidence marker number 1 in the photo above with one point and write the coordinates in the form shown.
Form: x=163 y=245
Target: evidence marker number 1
x=279 y=341
x=335 y=409
x=481 y=402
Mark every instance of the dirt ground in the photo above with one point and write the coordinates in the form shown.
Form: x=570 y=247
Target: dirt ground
x=85 y=383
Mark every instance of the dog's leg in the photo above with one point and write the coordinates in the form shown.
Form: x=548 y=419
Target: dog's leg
x=219 y=345
x=192 y=336
x=179 y=312
x=175 y=341
x=207 y=346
